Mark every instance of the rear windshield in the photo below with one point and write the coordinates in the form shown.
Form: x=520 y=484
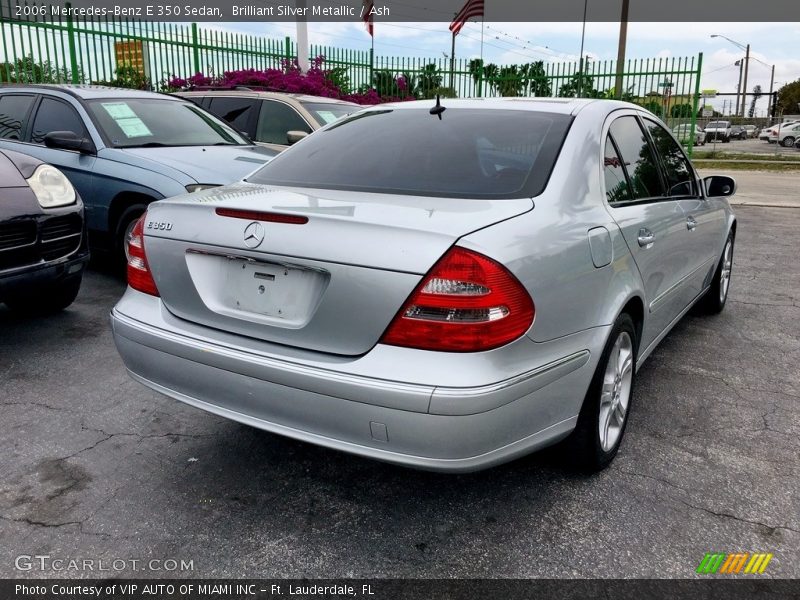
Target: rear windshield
x=469 y=153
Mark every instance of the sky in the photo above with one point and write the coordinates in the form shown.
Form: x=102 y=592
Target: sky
x=504 y=43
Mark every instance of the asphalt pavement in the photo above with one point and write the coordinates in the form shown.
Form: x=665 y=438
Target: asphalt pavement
x=97 y=467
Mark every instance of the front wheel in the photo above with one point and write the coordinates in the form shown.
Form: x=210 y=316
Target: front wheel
x=604 y=415
x=788 y=141
x=717 y=295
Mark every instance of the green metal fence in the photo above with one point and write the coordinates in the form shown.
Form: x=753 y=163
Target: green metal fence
x=91 y=51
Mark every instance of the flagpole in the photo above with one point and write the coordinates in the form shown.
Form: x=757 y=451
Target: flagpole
x=453 y=61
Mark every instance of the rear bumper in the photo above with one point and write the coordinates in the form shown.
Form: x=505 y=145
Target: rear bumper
x=409 y=423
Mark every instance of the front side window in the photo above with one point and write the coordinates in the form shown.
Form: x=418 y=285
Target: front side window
x=54 y=115
x=637 y=156
x=680 y=177
x=14 y=109
x=468 y=153
x=154 y=122
x=276 y=121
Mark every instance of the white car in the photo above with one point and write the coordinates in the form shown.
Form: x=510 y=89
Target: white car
x=786 y=135
x=771 y=133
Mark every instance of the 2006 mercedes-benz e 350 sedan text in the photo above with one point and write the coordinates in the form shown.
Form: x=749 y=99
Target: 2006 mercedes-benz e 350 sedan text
x=445 y=287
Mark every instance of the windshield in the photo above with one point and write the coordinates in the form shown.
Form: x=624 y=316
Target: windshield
x=328 y=112
x=155 y=122
x=718 y=125
x=469 y=153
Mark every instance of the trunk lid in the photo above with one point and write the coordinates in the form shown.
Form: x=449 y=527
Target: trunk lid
x=332 y=284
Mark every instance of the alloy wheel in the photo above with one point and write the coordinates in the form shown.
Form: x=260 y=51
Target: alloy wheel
x=725 y=271
x=615 y=394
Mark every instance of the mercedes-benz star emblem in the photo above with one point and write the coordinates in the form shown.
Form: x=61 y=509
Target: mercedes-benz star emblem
x=253 y=235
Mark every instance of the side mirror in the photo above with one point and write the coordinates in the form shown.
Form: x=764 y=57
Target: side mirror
x=295 y=136
x=69 y=140
x=720 y=185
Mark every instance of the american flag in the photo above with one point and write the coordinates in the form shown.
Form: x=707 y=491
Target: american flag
x=473 y=8
x=367 y=17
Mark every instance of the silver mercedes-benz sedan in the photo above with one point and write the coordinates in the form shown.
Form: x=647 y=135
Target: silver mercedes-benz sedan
x=441 y=286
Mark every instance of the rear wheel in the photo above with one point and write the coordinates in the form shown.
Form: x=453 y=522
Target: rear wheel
x=604 y=415
x=717 y=295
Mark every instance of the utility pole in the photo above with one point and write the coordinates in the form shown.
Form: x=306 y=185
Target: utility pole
x=746 y=67
x=739 y=64
x=771 y=98
x=623 y=42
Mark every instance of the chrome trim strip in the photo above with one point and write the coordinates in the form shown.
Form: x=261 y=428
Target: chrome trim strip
x=647 y=351
x=660 y=299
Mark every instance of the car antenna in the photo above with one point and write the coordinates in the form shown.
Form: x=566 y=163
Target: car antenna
x=438 y=109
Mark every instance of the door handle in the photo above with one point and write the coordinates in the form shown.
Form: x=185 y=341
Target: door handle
x=646 y=237
x=691 y=223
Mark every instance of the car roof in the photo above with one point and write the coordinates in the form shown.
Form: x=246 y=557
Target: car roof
x=247 y=93
x=565 y=106
x=89 y=92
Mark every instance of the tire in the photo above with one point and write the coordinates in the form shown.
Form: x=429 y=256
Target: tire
x=788 y=141
x=717 y=295
x=123 y=229
x=47 y=301
x=604 y=415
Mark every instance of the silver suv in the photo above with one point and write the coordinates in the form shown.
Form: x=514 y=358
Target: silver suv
x=273 y=119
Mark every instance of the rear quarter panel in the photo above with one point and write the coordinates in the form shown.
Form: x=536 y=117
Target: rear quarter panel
x=548 y=248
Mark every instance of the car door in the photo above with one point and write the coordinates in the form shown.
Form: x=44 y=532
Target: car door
x=705 y=218
x=275 y=121
x=652 y=223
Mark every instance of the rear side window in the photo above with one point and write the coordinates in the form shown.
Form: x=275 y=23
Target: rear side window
x=680 y=177
x=14 y=109
x=617 y=189
x=236 y=111
x=276 y=120
x=637 y=156
x=54 y=115
x=468 y=153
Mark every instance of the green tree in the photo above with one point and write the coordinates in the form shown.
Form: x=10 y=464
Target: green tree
x=428 y=81
x=788 y=98
x=580 y=85
x=654 y=107
x=681 y=111
x=27 y=70
x=757 y=93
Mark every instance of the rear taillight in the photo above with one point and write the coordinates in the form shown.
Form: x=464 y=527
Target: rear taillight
x=466 y=303
x=139 y=276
